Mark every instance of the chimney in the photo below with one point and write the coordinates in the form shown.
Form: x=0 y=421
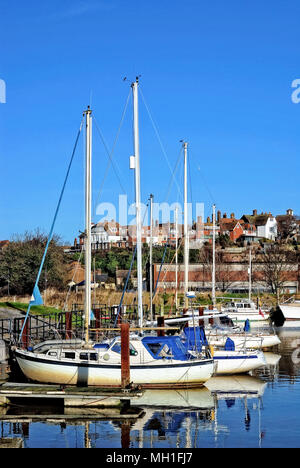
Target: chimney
x=254 y=212
x=218 y=216
x=224 y=215
x=208 y=220
x=232 y=216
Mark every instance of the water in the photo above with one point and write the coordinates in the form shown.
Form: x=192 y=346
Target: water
x=261 y=410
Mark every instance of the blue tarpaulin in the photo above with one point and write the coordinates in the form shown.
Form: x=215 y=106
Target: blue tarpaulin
x=195 y=338
x=168 y=347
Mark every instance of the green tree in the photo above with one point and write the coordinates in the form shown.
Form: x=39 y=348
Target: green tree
x=21 y=259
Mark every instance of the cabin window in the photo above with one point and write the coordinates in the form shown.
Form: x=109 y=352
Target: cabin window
x=132 y=351
x=52 y=353
x=84 y=356
x=69 y=355
x=154 y=347
x=165 y=352
x=116 y=348
x=93 y=357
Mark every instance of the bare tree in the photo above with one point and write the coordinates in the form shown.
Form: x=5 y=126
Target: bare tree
x=277 y=265
x=224 y=273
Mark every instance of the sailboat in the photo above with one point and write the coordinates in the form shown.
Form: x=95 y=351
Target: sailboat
x=228 y=361
x=155 y=362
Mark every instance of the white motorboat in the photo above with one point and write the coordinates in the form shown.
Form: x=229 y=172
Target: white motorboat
x=239 y=310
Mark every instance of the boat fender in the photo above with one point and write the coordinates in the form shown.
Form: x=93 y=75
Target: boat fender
x=212 y=350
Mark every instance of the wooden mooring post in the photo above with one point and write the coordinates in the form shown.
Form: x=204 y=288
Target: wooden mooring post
x=201 y=313
x=125 y=355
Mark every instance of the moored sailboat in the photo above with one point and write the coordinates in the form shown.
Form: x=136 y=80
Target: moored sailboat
x=153 y=362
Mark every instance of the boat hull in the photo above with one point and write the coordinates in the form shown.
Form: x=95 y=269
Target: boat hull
x=256 y=320
x=41 y=368
x=244 y=341
x=231 y=362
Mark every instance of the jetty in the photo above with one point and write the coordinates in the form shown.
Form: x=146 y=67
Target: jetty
x=70 y=402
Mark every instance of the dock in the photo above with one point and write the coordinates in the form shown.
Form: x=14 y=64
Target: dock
x=70 y=402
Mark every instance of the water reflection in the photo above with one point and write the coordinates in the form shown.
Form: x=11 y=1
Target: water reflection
x=233 y=411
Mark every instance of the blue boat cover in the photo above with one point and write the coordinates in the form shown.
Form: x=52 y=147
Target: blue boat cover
x=247 y=325
x=167 y=347
x=195 y=338
x=229 y=345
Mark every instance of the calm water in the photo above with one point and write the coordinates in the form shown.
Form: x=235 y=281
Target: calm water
x=262 y=410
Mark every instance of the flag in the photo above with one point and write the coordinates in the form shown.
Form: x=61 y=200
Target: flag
x=36 y=298
x=261 y=313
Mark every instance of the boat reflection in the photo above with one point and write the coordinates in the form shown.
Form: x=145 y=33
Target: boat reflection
x=179 y=418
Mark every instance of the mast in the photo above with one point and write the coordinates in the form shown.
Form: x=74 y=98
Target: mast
x=138 y=200
x=88 y=220
x=176 y=257
x=214 y=258
x=185 y=233
x=250 y=273
x=151 y=255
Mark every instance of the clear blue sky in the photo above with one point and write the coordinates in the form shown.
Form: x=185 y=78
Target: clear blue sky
x=215 y=73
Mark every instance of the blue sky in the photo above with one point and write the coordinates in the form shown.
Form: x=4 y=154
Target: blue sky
x=215 y=73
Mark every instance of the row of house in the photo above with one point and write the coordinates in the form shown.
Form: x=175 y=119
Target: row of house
x=244 y=230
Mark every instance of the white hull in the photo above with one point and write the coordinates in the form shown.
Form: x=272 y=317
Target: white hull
x=243 y=341
x=291 y=314
x=232 y=362
x=44 y=369
x=255 y=319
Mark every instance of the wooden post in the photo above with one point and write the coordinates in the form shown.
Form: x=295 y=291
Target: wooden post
x=68 y=325
x=25 y=335
x=160 y=323
x=125 y=355
x=201 y=313
x=211 y=320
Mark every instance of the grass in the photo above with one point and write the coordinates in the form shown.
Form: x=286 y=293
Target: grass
x=38 y=310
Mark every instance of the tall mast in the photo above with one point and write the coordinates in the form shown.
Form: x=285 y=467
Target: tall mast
x=250 y=273
x=138 y=200
x=151 y=255
x=176 y=257
x=185 y=233
x=88 y=220
x=214 y=257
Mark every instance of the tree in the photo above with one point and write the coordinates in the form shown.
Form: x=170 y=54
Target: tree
x=277 y=264
x=21 y=260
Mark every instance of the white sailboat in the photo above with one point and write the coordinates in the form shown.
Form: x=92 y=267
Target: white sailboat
x=228 y=361
x=154 y=362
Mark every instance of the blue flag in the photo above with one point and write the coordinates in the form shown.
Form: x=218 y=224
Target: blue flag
x=36 y=298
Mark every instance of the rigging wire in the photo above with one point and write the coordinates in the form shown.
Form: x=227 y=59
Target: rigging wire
x=110 y=153
x=35 y=289
x=157 y=134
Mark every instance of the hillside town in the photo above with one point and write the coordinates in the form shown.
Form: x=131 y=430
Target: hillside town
x=250 y=228
x=269 y=242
